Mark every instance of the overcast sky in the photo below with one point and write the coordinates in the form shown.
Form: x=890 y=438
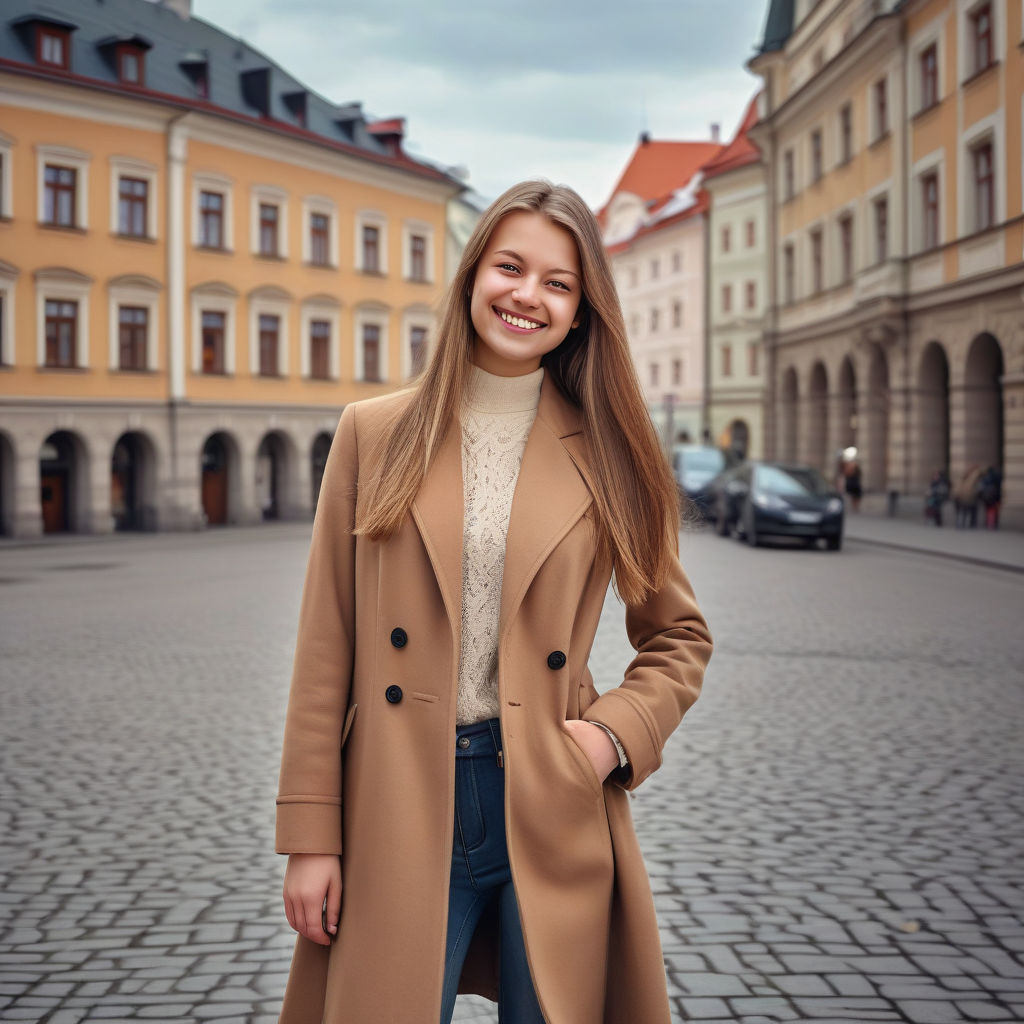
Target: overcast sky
x=553 y=88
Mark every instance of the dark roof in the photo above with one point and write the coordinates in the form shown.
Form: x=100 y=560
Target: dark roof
x=778 y=26
x=242 y=82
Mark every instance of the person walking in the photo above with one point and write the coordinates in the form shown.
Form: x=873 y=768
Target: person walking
x=991 y=494
x=454 y=792
x=966 y=497
x=852 y=483
x=937 y=496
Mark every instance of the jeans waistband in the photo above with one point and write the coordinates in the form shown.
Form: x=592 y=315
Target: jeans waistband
x=481 y=739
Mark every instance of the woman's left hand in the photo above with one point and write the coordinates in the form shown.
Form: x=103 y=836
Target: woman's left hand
x=596 y=744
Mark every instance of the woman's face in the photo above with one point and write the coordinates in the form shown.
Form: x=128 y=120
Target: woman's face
x=526 y=293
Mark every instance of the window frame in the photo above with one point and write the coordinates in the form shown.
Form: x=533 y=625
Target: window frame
x=989 y=220
x=268 y=195
x=817 y=154
x=418 y=229
x=6 y=178
x=129 y=167
x=816 y=246
x=61 y=35
x=76 y=160
x=417 y=317
x=846 y=240
x=8 y=293
x=930 y=209
x=214 y=298
x=126 y=50
x=207 y=182
x=62 y=285
x=139 y=291
x=378 y=220
x=319 y=206
x=846 y=143
x=320 y=308
x=268 y=300
x=378 y=316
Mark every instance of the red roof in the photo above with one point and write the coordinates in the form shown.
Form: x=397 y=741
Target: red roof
x=741 y=150
x=657 y=169
x=700 y=206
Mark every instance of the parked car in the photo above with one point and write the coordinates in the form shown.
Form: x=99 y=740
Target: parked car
x=694 y=467
x=769 y=499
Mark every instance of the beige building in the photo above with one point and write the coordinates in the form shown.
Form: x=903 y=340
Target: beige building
x=892 y=135
x=735 y=182
x=201 y=262
x=654 y=229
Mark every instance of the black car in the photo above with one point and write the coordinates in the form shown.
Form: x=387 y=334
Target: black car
x=694 y=466
x=767 y=499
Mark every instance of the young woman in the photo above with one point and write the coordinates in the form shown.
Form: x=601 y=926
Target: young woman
x=453 y=793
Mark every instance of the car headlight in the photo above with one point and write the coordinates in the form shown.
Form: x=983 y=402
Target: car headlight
x=765 y=499
x=834 y=506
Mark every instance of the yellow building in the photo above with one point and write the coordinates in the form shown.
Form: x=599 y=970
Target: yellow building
x=892 y=136
x=201 y=262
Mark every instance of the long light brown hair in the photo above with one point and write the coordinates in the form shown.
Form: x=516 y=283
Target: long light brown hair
x=635 y=496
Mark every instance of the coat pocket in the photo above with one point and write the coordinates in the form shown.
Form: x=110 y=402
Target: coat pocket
x=350 y=717
x=586 y=769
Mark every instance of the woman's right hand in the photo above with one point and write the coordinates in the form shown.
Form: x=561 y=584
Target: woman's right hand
x=309 y=878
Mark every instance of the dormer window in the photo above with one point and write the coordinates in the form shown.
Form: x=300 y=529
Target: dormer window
x=130 y=65
x=53 y=46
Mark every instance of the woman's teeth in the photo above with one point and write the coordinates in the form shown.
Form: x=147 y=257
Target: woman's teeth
x=518 y=321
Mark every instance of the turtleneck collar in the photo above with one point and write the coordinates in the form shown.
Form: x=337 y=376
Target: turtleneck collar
x=487 y=392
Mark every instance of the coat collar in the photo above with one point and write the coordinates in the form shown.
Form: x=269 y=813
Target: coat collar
x=550 y=496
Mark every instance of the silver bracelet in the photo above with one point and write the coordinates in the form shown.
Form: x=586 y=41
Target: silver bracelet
x=619 y=748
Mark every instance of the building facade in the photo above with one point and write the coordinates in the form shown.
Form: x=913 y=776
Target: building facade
x=655 y=229
x=738 y=263
x=892 y=133
x=201 y=262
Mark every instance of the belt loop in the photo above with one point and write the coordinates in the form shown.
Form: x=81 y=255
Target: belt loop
x=495 y=727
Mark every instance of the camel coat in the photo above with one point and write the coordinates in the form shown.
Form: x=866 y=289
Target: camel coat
x=368 y=767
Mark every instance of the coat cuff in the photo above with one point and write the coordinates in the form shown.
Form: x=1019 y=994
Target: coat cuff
x=308 y=824
x=637 y=733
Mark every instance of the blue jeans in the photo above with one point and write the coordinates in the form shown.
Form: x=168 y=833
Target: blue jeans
x=481 y=875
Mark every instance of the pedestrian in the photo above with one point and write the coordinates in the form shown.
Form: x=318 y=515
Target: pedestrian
x=454 y=792
x=852 y=483
x=991 y=494
x=966 y=496
x=937 y=496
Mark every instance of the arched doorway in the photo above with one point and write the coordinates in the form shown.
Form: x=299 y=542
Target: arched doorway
x=932 y=413
x=983 y=403
x=876 y=456
x=273 y=475
x=63 y=483
x=846 y=432
x=817 y=426
x=790 y=399
x=132 y=483
x=219 y=469
x=321 y=449
x=7 y=463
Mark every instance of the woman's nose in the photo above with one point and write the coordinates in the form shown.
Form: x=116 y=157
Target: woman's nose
x=526 y=292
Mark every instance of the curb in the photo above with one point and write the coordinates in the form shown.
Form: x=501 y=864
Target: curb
x=950 y=556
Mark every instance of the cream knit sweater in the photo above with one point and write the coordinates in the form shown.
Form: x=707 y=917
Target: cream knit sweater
x=497 y=415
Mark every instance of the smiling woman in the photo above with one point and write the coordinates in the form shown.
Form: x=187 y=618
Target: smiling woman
x=448 y=763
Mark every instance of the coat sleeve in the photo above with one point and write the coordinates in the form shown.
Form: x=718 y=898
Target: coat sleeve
x=673 y=646
x=309 y=791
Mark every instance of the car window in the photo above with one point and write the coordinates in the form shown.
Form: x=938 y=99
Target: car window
x=790 y=480
x=704 y=460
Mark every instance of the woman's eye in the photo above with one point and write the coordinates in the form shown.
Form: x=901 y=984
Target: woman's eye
x=561 y=284
x=508 y=266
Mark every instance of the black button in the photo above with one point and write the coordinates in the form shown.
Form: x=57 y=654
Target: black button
x=399 y=637
x=393 y=694
x=556 y=659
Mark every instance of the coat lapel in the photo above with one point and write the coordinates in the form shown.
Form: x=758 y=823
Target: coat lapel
x=438 y=511
x=549 y=498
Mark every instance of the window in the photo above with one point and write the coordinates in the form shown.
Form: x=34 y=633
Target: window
x=753 y=358
x=881 y=208
x=930 y=210
x=751 y=293
x=319 y=242
x=130 y=66
x=60 y=198
x=788 y=274
x=846 y=248
x=751 y=234
x=816 y=155
x=981 y=37
x=371 y=249
x=726 y=239
x=417 y=258
x=371 y=351
x=417 y=349
x=211 y=220
x=268 y=229
x=132 y=207
x=817 y=268
x=133 y=328
x=984 y=191
x=61 y=333
x=655 y=372
x=270 y=331
x=929 y=64
x=677 y=314
x=654 y=319
x=5 y=179
x=677 y=373
x=213 y=342
x=726 y=298
x=53 y=46
x=788 y=180
x=846 y=133
x=320 y=349
x=726 y=360
x=677 y=262
x=881 y=93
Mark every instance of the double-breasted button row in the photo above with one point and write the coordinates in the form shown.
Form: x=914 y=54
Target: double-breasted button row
x=393 y=694
x=399 y=637
x=556 y=659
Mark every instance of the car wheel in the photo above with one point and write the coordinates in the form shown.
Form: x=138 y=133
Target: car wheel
x=835 y=543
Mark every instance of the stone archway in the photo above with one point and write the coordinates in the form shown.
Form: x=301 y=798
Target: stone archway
x=790 y=416
x=318 y=455
x=275 y=468
x=846 y=405
x=932 y=440
x=817 y=419
x=133 y=483
x=219 y=463
x=983 y=403
x=876 y=408
x=64 y=483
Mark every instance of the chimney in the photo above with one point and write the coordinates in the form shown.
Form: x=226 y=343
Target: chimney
x=714 y=131
x=645 y=137
x=182 y=8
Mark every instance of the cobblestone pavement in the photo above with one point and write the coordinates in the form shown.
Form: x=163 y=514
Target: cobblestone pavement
x=836 y=833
